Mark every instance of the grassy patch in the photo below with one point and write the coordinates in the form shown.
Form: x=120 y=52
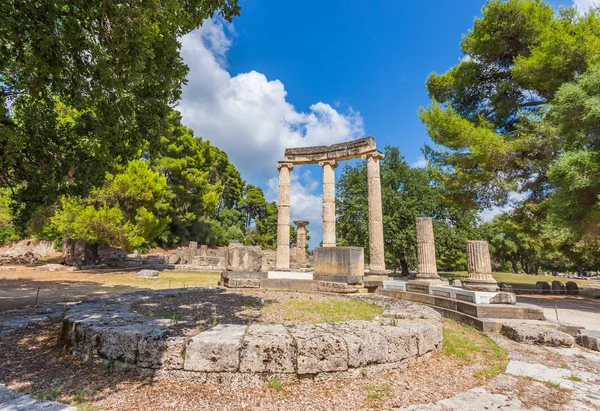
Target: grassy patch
x=551 y=384
x=469 y=345
x=377 y=392
x=574 y=378
x=275 y=383
x=518 y=281
x=312 y=311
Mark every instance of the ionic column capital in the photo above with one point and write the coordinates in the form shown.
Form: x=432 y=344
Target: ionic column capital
x=333 y=163
x=375 y=155
x=281 y=164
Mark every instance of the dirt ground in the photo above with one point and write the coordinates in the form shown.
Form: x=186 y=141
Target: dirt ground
x=18 y=289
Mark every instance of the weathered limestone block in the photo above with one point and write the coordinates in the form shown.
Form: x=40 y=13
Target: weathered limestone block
x=402 y=342
x=120 y=344
x=318 y=350
x=193 y=245
x=243 y=283
x=537 y=334
x=572 y=288
x=364 y=345
x=347 y=261
x=558 y=287
x=542 y=287
x=429 y=334
x=215 y=350
x=151 y=274
x=156 y=352
x=333 y=287
x=504 y=298
x=589 y=339
x=244 y=258
x=174 y=258
x=506 y=287
x=268 y=348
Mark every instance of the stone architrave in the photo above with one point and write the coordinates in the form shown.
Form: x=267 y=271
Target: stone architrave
x=479 y=267
x=427 y=268
x=301 y=242
x=283 y=217
x=328 y=202
x=376 y=249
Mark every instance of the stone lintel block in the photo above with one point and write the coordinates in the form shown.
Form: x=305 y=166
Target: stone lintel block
x=268 y=348
x=276 y=283
x=215 y=350
x=318 y=350
x=346 y=261
x=244 y=258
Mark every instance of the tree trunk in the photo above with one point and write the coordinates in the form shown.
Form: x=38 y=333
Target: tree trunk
x=90 y=255
x=515 y=269
x=404 y=266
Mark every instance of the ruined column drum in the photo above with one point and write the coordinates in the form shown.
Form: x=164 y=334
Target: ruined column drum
x=427 y=268
x=283 y=217
x=479 y=267
x=376 y=245
x=301 y=242
x=329 y=238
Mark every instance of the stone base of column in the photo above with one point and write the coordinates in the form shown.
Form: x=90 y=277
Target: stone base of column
x=378 y=270
x=421 y=285
x=475 y=284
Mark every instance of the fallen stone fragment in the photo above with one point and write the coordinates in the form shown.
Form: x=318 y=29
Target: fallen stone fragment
x=215 y=350
x=537 y=334
x=151 y=274
x=589 y=339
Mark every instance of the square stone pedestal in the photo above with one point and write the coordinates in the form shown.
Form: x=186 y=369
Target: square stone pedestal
x=340 y=264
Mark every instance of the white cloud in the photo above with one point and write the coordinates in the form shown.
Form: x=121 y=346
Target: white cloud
x=585 y=5
x=248 y=116
x=420 y=162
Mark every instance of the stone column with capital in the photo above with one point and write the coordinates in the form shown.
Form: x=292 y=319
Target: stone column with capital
x=329 y=238
x=427 y=267
x=283 y=217
x=376 y=244
x=479 y=267
x=301 y=242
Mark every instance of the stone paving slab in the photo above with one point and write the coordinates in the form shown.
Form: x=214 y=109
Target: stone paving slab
x=13 y=401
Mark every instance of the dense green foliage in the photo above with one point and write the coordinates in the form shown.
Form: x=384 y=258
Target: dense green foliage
x=406 y=193
x=113 y=66
x=520 y=113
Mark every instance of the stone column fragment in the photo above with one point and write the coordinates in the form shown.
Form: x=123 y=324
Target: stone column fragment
x=283 y=217
x=427 y=268
x=479 y=267
x=376 y=247
x=328 y=202
x=301 y=242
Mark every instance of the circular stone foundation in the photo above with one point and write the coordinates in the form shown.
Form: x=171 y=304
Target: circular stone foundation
x=218 y=347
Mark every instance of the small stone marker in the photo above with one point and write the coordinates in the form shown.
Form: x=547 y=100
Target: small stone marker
x=542 y=287
x=572 y=288
x=149 y=274
x=558 y=287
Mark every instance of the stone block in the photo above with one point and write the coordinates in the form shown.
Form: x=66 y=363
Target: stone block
x=243 y=283
x=275 y=283
x=364 y=345
x=243 y=258
x=151 y=274
x=268 y=348
x=572 y=288
x=193 y=245
x=215 y=350
x=174 y=258
x=344 y=261
x=119 y=344
x=506 y=287
x=589 y=339
x=429 y=334
x=542 y=287
x=558 y=287
x=504 y=298
x=401 y=341
x=348 y=279
x=536 y=334
x=333 y=287
x=318 y=350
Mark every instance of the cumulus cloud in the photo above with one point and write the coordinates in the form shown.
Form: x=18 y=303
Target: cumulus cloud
x=420 y=162
x=514 y=200
x=248 y=116
x=585 y=5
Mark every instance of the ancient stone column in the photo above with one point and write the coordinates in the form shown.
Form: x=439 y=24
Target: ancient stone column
x=376 y=250
x=301 y=242
x=479 y=267
x=427 y=268
x=283 y=217
x=328 y=202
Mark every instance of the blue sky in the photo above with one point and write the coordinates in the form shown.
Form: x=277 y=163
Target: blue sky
x=319 y=72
